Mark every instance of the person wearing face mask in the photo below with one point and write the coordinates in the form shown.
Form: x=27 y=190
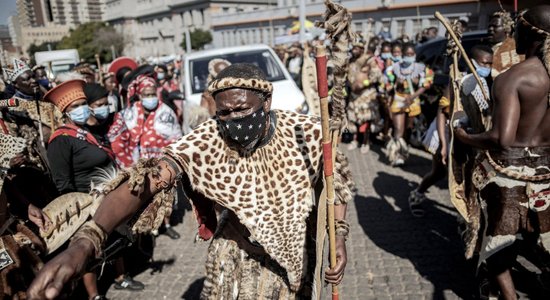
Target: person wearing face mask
x=73 y=150
x=394 y=56
x=113 y=98
x=362 y=111
x=477 y=108
x=385 y=55
x=258 y=170
x=41 y=78
x=75 y=153
x=165 y=80
x=97 y=99
x=386 y=62
x=477 y=119
x=408 y=80
x=31 y=165
x=144 y=128
x=510 y=178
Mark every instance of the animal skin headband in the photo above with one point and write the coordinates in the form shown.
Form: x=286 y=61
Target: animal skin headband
x=233 y=82
x=507 y=21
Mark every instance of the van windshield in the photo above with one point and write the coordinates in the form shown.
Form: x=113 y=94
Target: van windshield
x=263 y=59
x=56 y=69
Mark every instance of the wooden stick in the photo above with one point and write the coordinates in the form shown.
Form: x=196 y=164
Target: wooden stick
x=99 y=68
x=452 y=34
x=322 y=87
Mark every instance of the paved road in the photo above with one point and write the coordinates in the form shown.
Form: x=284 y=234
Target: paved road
x=391 y=254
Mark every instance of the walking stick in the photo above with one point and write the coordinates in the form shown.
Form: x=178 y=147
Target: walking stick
x=98 y=61
x=322 y=87
x=452 y=34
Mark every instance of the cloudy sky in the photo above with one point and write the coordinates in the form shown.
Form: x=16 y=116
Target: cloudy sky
x=7 y=8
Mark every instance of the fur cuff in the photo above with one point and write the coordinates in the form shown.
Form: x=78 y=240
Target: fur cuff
x=343 y=181
x=92 y=232
x=150 y=217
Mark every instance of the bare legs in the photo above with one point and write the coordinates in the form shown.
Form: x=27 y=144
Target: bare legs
x=436 y=173
x=499 y=266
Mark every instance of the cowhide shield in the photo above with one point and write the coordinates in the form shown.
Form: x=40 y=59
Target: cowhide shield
x=67 y=213
x=505 y=56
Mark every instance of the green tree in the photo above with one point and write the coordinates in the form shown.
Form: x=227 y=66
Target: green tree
x=199 y=38
x=33 y=48
x=91 y=38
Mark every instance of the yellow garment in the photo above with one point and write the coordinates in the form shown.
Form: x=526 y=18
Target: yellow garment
x=444 y=102
x=398 y=105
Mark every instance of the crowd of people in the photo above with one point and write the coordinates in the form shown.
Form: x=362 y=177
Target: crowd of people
x=79 y=126
x=391 y=97
x=127 y=137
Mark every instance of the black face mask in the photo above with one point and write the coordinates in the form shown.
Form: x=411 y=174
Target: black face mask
x=247 y=130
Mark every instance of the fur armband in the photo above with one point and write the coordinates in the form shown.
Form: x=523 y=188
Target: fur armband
x=342 y=228
x=151 y=216
x=343 y=181
x=92 y=232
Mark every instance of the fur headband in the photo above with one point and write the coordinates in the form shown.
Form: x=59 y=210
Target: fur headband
x=232 y=82
x=507 y=21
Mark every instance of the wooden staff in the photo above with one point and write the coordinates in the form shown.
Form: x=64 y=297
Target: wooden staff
x=98 y=61
x=322 y=87
x=452 y=34
x=368 y=35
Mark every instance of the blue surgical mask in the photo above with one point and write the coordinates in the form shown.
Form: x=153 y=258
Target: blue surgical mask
x=44 y=82
x=150 y=103
x=102 y=112
x=385 y=55
x=396 y=58
x=80 y=114
x=160 y=76
x=409 y=59
x=481 y=71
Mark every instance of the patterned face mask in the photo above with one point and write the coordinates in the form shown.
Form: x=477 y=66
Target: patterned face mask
x=246 y=130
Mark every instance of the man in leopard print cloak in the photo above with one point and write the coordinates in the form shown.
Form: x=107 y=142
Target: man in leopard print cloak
x=254 y=176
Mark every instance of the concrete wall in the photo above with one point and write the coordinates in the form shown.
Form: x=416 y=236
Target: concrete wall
x=400 y=16
x=157 y=27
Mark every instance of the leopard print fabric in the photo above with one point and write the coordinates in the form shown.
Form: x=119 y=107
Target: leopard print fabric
x=269 y=189
x=10 y=146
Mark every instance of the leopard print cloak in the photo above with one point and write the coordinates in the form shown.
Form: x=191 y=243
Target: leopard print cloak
x=270 y=189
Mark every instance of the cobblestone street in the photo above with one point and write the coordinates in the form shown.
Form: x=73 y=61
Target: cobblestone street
x=391 y=255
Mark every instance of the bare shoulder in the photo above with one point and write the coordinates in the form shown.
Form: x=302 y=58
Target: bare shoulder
x=530 y=71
